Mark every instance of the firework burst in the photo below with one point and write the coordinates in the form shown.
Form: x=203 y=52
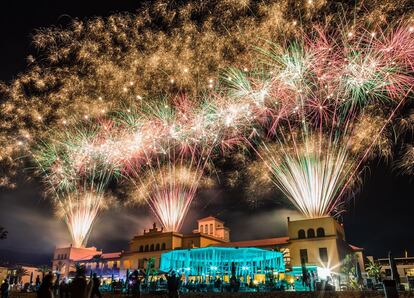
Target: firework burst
x=325 y=90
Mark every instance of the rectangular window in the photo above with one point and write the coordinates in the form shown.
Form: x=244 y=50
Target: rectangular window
x=304 y=256
x=211 y=228
x=323 y=254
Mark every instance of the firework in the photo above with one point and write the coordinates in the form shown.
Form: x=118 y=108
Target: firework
x=79 y=210
x=89 y=67
x=75 y=179
x=311 y=96
x=168 y=187
x=326 y=93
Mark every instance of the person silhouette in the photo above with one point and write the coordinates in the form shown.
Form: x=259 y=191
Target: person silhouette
x=4 y=289
x=46 y=288
x=173 y=285
x=78 y=287
x=95 y=287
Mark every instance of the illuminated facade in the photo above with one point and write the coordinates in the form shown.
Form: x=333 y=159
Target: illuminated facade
x=207 y=264
x=319 y=243
x=152 y=243
x=65 y=258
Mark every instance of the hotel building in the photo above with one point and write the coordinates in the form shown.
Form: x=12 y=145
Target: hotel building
x=319 y=243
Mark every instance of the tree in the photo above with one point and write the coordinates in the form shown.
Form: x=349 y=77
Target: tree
x=373 y=269
x=20 y=272
x=43 y=269
x=348 y=269
x=3 y=233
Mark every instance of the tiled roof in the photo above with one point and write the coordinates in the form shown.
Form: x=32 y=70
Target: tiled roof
x=355 y=248
x=112 y=255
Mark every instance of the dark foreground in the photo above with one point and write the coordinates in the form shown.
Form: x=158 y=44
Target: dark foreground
x=354 y=294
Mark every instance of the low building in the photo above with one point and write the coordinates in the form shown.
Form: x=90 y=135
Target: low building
x=3 y=273
x=405 y=268
x=65 y=258
x=207 y=264
x=23 y=274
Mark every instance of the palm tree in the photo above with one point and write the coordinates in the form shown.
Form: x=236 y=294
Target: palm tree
x=373 y=269
x=43 y=269
x=3 y=233
x=20 y=272
x=348 y=269
x=97 y=259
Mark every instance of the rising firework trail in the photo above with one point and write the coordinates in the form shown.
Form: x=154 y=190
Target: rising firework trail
x=168 y=186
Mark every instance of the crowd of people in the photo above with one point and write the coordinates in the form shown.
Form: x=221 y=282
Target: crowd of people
x=138 y=281
x=81 y=287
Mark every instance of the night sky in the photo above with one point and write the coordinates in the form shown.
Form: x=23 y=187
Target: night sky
x=378 y=219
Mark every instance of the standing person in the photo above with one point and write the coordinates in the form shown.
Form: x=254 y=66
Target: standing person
x=173 y=285
x=63 y=289
x=135 y=284
x=96 y=282
x=46 y=288
x=4 y=289
x=37 y=282
x=78 y=287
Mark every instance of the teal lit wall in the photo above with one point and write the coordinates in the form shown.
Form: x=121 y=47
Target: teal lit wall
x=217 y=261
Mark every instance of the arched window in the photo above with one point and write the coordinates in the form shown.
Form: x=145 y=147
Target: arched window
x=152 y=247
x=157 y=247
x=311 y=233
x=163 y=246
x=320 y=232
x=206 y=229
x=146 y=248
x=141 y=248
x=301 y=234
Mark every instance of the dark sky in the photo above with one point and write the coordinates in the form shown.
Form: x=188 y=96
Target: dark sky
x=380 y=218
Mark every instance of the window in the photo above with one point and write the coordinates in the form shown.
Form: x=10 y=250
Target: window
x=206 y=229
x=388 y=272
x=303 y=256
x=141 y=248
x=320 y=232
x=157 y=247
x=146 y=248
x=211 y=228
x=152 y=247
x=323 y=254
x=141 y=263
x=201 y=229
x=301 y=234
x=163 y=246
x=311 y=233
